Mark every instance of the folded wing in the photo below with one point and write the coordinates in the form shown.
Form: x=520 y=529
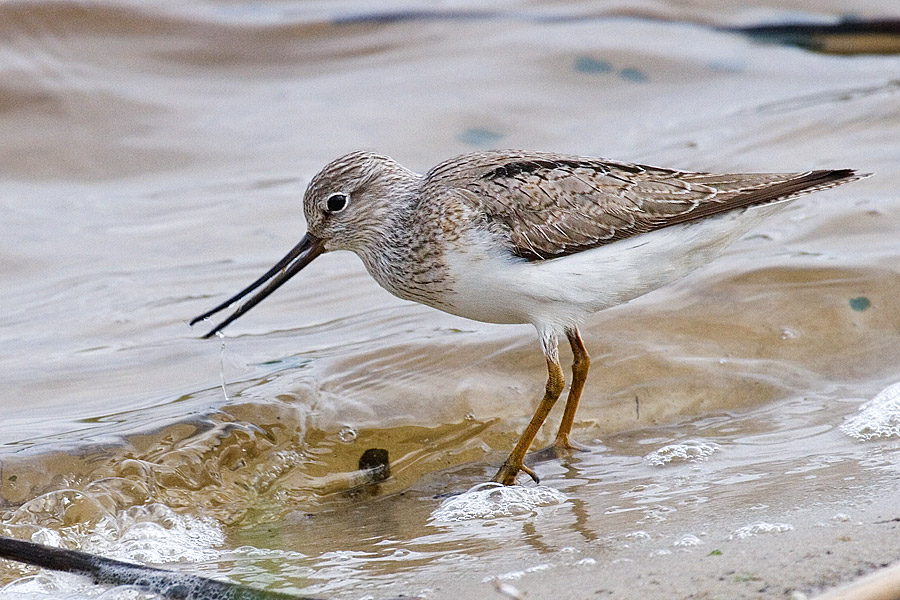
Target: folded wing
x=550 y=206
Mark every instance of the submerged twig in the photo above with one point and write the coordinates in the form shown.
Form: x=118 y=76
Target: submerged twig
x=107 y=571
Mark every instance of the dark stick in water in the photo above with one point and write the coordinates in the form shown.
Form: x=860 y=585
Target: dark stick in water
x=169 y=584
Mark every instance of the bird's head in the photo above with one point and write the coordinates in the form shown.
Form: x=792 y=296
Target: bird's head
x=347 y=205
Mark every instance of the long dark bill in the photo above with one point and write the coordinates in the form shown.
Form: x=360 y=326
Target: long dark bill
x=300 y=255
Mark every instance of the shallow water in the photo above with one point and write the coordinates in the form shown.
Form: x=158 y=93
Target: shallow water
x=153 y=164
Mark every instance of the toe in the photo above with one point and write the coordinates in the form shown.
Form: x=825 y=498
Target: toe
x=560 y=448
x=507 y=474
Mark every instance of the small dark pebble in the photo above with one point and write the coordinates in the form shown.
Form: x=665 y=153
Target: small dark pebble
x=377 y=463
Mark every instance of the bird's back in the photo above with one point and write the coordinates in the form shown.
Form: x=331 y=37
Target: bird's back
x=552 y=205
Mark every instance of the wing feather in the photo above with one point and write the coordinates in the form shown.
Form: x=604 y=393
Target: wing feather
x=549 y=205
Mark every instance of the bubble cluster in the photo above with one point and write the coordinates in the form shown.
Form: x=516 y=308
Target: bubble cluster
x=688 y=451
x=492 y=500
x=877 y=418
x=759 y=528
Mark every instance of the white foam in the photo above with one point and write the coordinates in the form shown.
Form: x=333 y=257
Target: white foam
x=840 y=518
x=55 y=586
x=512 y=575
x=687 y=541
x=492 y=500
x=179 y=538
x=152 y=533
x=760 y=528
x=508 y=590
x=127 y=593
x=877 y=418
x=687 y=451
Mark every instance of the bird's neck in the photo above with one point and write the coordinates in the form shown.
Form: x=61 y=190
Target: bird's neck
x=387 y=228
x=400 y=253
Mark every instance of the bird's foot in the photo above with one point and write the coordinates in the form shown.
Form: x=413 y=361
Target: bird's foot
x=560 y=448
x=507 y=473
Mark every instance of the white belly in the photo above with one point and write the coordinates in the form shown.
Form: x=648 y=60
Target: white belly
x=492 y=287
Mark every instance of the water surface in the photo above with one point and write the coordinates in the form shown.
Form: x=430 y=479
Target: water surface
x=153 y=163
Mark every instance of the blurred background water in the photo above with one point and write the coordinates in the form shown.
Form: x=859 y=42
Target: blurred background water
x=153 y=161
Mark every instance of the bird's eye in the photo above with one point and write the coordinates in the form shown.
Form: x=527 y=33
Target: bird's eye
x=336 y=203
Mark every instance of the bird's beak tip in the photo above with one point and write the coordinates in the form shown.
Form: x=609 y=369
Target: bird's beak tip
x=300 y=256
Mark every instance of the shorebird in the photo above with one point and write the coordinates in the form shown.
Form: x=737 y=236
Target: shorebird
x=528 y=237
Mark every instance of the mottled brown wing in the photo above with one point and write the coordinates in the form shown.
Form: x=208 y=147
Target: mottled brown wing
x=550 y=205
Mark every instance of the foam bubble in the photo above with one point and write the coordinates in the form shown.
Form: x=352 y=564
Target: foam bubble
x=152 y=533
x=181 y=538
x=58 y=586
x=840 y=518
x=491 y=501
x=511 y=575
x=759 y=528
x=877 y=418
x=687 y=541
x=348 y=434
x=687 y=451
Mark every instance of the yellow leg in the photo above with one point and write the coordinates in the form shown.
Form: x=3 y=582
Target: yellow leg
x=555 y=381
x=581 y=363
